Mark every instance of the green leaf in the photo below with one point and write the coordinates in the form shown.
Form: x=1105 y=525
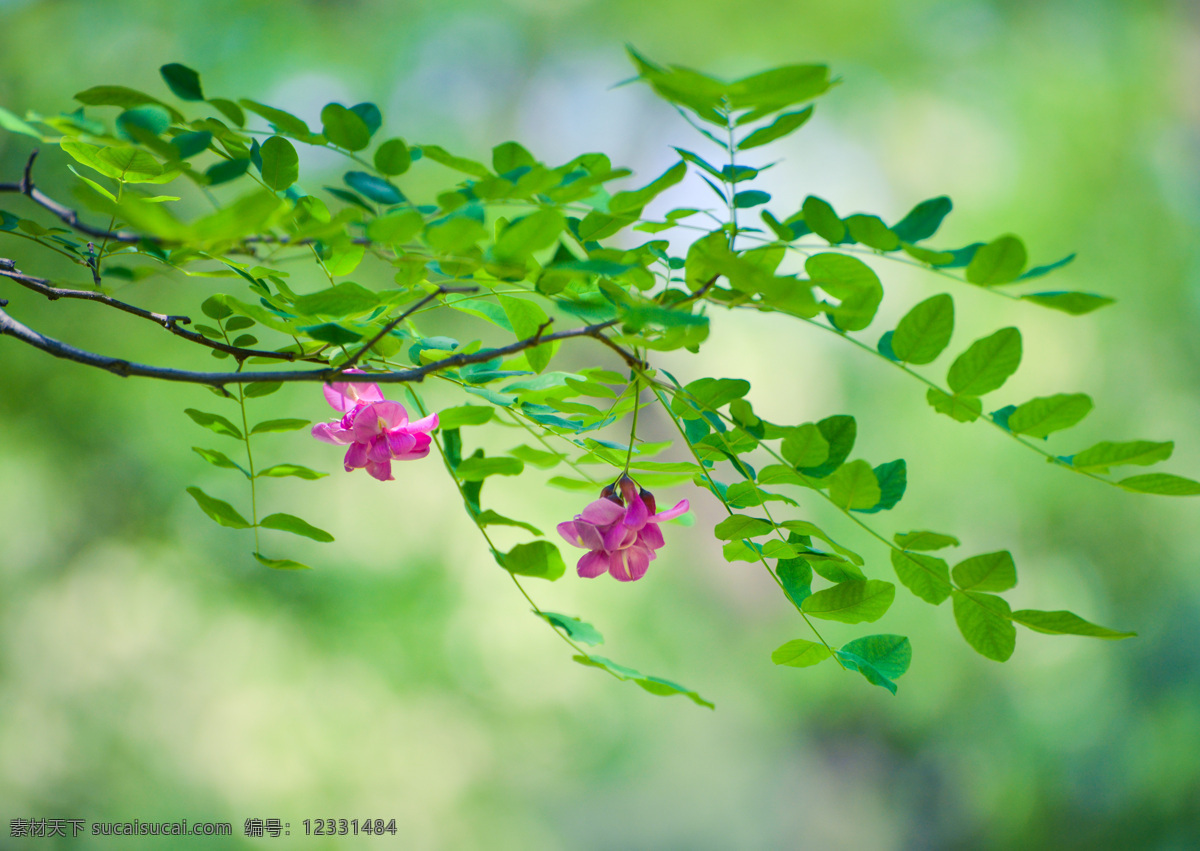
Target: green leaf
x=260 y=388
x=928 y=577
x=985 y=622
x=1163 y=484
x=130 y=165
x=537 y=558
x=344 y=299
x=395 y=227
x=13 y=124
x=1107 y=454
x=893 y=481
x=465 y=415
x=879 y=658
x=226 y=170
x=799 y=653
x=839 y=431
x=986 y=364
x=284 y=122
x=925 y=331
x=852 y=282
x=214 y=422
x=443 y=157
x=152 y=119
x=290 y=523
x=491 y=518
x=822 y=220
x=183 y=81
x=478 y=469
x=805 y=446
x=526 y=317
x=923 y=220
x=926 y=255
x=280 y=563
x=124 y=98
x=537 y=457
x=708 y=394
x=219 y=459
x=344 y=127
x=575 y=629
x=854 y=485
x=750 y=198
x=509 y=156
x=633 y=201
x=393 y=157
x=987 y=572
x=965 y=409
x=925 y=540
x=851 y=602
x=219 y=510
x=872 y=232
x=279 y=425
x=280 y=163
x=1065 y=623
x=1001 y=261
x=1045 y=414
x=187 y=145
x=1073 y=303
x=281 y=470
x=376 y=188
x=230 y=110
x=370 y=115
x=795 y=574
x=528 y=234
x=784 y=125
x=655 y=685
x=215 y=307
x=740 y=526
x=776 y=89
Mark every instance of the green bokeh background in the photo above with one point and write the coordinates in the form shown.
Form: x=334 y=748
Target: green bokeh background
x=150 y=669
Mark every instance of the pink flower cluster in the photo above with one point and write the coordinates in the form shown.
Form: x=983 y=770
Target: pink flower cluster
x=619 y=531
x=377 y=431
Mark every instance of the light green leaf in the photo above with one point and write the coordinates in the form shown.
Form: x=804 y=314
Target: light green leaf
x=1073 y=303
x=478 y=469
x=854 y=485
x=852 y=282
x=393 y=157
x=1064 y=623
x=280 y=163
x=740 y=526
x=443 y=157
x=851 y=602
x=344 y=127
x=987 y=572
x=526 y=317
x=655 y=685
x=528 y=234
x=279 y=425
x=928 y=577
x=872 y=232
x=344 y=299
x=219 y=459
x=219 y=510
x=985 y=622
x=280 y=563
x=799 y=653
x=281 y=470
x=986 y=364
x=822 y=220
x=1107 y=454
x=214 y=422
x=538 y=558
x=1163 y=484
x=1045 y=414
x=925 y=331
x=782 y=126
x=124 y=98
x=284 y=122
x=537 y=457
x=633 y=201
x=395 y=227
x=1001 y=261
x=575 y=629
x=491 y=518
x=13 y=124
x=257 y=388
x=965 y=409
x=290 y=523
x=922 y=540
x=805 y=446
x=464 y=415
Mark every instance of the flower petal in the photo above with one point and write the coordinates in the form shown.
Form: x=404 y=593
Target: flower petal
x=381 y=470
x=602 y=512
x=571 y=535
x=619 y=535
x=377 y=449
x=592 y=564
x=425 y=424
x=356 y=456
x=344 y=395
x=332 y=433
x=671 y=513
x=636 y=513
x=650 y=536
x=629 y=565
x=400 y=443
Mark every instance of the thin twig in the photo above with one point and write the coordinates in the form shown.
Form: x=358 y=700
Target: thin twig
x=387 y=329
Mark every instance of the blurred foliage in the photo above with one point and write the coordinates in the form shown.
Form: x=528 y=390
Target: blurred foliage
x=146 y=670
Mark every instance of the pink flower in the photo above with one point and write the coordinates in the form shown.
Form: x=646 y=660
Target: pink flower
x=619 y=531
x=377 y=431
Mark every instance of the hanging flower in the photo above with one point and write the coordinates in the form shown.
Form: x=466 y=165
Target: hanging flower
x=619 y=531
x=377 y=431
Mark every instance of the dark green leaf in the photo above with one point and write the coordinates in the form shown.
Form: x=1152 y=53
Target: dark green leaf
x=280 y=163
x=281 y=470
x=189 y=144
x=230 y=110
x=782 y=126
x=290 y=523
x=1064 y=623
x=928 y=577
x=987 y=572
x=344 y=128
x=375 y=188
x=1045 y=414
x=184 y=82
x=491 y=518
x=795 y=574
x=219 y=510
x=538 y=558
x=839 y=431
x=750 y=198
x=799 y=653
x=575 y=629
x=879 y=658
x=280 y=563
x=215 y=308
x=654 y=685
x=925 y=331
x=985 y=622
x=1039 y=271
x=999 y=262
x=279 y=425
x=851 y=602
x=214 y=422
x=226 y=170
x=923 y=220
x=370 y=115
x=893 y=480
x=986 y=364
x=1069 y=302
x=393 y=157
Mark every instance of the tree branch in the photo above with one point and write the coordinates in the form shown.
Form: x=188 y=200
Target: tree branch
x=125 y=369
x=387 y=329
x=170 y=322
